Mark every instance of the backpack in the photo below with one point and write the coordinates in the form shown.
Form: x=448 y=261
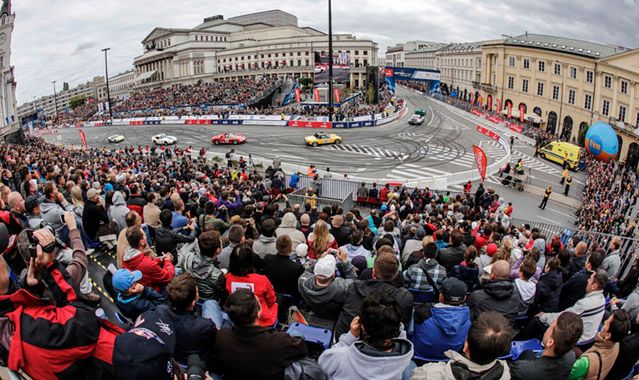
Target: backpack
x=206 y=223
x=305 y=369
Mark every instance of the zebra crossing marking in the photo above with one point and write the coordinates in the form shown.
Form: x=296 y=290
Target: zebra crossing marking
x=369 y=151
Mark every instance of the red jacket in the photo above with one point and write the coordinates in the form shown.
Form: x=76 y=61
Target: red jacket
x=262 y=288
x=156 y=272
x=51 y=339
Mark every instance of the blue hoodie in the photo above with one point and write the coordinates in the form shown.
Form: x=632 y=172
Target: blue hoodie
x=446 y=329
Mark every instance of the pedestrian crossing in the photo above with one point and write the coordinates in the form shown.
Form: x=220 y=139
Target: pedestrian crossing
x=492 y=148
x=369 y=151
x=412 y=172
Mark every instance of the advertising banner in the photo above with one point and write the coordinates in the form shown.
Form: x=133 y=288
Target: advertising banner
x=487 y=132
x=489 y=103
x=336 y=97
x=316 y=95
x=297 y=95
x=362 y=118
x=341 y=67
x=515 y=128
x=522 y=113
x=83 y=137
x=431 y=77
x=309 y=124
x=499 y=106
x=481 y=160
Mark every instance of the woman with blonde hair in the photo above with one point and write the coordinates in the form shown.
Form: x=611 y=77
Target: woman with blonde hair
x=320 y=240
x=77 y=201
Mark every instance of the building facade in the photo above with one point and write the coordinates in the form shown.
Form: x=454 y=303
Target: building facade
x=424 y=58
x=264 y=44
x=396 y=55
x=460 y=67
x=568 y=84
x=50 y=105
x=121 y=85
x=9 y=120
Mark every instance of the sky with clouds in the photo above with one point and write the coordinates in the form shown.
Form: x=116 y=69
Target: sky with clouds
x=62 y=39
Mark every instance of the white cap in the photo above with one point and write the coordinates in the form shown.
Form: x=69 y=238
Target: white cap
x=325 y=266
x=301 y=250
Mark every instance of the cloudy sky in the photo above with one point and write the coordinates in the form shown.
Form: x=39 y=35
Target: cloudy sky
x=61 y=39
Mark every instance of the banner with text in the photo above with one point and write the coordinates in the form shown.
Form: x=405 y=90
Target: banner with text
x=481 y=160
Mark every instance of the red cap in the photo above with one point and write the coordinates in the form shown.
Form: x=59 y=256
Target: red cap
x=491 y=249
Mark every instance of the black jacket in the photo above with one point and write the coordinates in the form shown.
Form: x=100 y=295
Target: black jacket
x=194 y=334
x=543 y=368
x=359 y=290
x=256 y=353
x=283 y=273
x=574 y=289
x=166 y=240
x=451 y=256
x=627 y=357
x=342 y=235
x=547 y=293
x=93 y=217
x=500 y=296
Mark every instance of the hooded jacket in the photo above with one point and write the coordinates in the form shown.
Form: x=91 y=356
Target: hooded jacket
x=350 y=359
x=547 y=293
x=118 y=210
x=288 y=226
x=166 y=240
x=326 y=302
x=459 y=367
x=356 y=250
x=211 y=283
x=264 y=246
x=52 y=213
x=359 y=290
x=156 y=272
x=500 y=296
x=446 y=329
x=451 y=256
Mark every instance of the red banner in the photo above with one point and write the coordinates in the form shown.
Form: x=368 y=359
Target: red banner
x=479 y=99
x=510 y=110
x=472 y=97
x=309 y=124
x=487 y=132
x=498 y=106
x=495 y=119
x=475 y=112
x=298 y=95
x=489 y=103
x=522 y=113
x=481 y=160
x=516 y=128
x=316 y=95
x=83 y=137
x=336 y=92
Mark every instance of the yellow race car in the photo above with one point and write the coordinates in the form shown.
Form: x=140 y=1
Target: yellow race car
x=321 y=138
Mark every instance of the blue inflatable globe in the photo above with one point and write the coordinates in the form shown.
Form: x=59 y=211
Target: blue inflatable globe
x=601 y=141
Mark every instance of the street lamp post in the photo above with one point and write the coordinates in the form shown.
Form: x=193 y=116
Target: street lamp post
x=330 y=62
x=55 y=101
x=106 y=70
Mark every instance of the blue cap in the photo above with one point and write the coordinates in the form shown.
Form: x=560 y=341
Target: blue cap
x=384 y=207
x=123 y=279
x=108 y=187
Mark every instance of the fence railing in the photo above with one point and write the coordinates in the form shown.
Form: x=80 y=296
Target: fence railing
x=628 y=249
x=298 y=196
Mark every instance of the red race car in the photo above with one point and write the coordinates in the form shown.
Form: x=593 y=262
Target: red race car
x=228 y=138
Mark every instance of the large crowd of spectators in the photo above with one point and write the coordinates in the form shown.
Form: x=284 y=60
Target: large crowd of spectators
x=212 y=262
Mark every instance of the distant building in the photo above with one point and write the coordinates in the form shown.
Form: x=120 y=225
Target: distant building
x=396 y=55
x=95 y=89
x=460 y=66
x=121 y=85
x=9 y=121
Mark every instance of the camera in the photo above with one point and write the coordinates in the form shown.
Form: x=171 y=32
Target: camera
x=196 y=369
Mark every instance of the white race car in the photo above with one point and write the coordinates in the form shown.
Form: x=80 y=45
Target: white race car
x=163 y=139
x=116 y=138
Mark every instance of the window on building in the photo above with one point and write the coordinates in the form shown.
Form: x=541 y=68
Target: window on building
x=589 y=76
x=299 y=62
x=511 y=61
x=542 y=66
x=365 y=52
x=555 y=92
x=624 y=86
x=526 y=63
x=607 y=81
x=306 y=62
x=573 y=72
x=588 y=101
x=540 y=89
x=605 y=107
x=622 y=113
x=571 y=96
x=299 y=53
x=557 y=69
x=276 y=55
x=524 y=85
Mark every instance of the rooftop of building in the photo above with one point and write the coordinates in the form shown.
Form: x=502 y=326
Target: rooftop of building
x=565 y=45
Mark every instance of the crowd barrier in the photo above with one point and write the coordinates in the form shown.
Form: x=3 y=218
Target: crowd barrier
x=629 y=245
x=298 y=196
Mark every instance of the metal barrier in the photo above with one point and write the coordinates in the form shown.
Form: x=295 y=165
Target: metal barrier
x=629 y=245
x=298 y=196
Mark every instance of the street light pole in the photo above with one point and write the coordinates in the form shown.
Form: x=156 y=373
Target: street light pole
x=106 y=70
x=55 y=101
x=330 y=62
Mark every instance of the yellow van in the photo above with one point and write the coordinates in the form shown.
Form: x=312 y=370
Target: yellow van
x=557 y=150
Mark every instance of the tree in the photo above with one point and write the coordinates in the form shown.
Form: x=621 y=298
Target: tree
x=370 y=94
x=306 y=82
x=77 y=101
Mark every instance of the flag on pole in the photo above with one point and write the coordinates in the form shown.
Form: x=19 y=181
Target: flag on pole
x=83 y=137
x=336 y=92
x=522 y=112
x=481 y=160
x=510 y=110
x=490 y=103
x=316 y=94
x=298 y=95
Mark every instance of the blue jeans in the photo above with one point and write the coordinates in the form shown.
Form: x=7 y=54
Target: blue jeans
x=409 y=370
x=212 y=310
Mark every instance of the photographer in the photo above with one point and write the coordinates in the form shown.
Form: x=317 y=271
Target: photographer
x=57 y=338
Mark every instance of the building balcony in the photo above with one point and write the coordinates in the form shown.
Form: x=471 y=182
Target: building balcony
x=486 y=87
x=623 y=127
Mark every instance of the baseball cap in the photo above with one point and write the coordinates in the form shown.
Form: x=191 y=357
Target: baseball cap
x=384 y=207
x=145 y=351
x=301 y=250
x=325 y=266
x=31 y=203
x=108 y=187
x=491 y=249
x=453 y=290
x=92 y=193
x=123 y=279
